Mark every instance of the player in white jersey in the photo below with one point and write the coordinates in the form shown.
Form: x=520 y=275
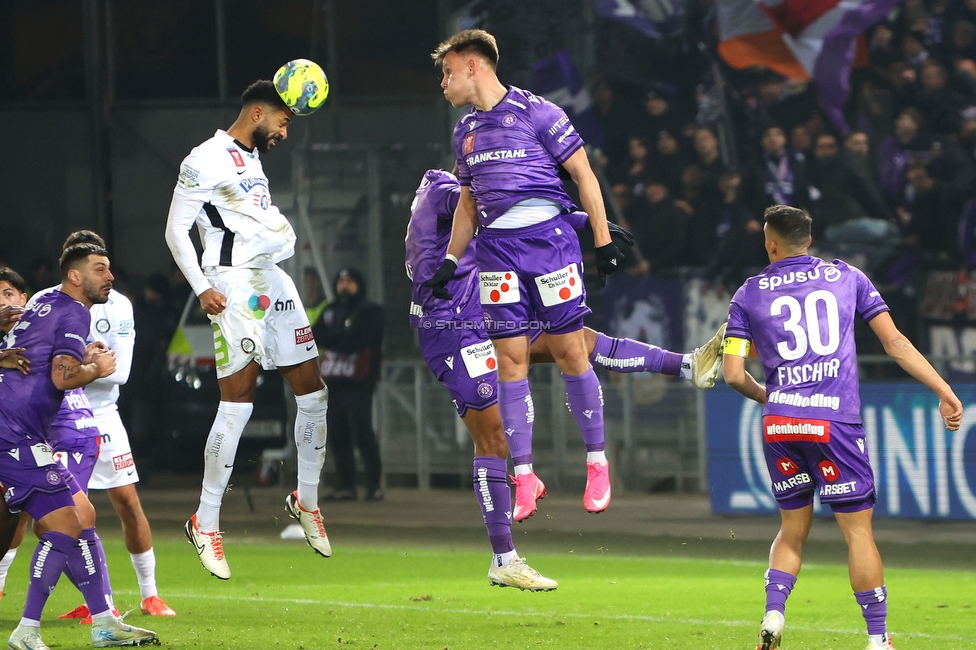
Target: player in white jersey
x=257 y=313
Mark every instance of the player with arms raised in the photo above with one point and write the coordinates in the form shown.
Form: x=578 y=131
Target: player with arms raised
x=255 y=308
x=799 y=314
x=509 y=147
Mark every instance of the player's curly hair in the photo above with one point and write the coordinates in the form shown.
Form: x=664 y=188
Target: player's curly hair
x=792 y=224
x=73 y=256
x=470 y=40
x=263 y=91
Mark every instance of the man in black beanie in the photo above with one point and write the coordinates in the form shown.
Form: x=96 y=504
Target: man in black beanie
x=349 y=335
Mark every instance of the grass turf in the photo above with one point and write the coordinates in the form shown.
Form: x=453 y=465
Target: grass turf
x=392 y=596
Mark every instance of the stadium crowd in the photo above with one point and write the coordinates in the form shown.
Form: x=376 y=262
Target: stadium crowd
x=893 y=192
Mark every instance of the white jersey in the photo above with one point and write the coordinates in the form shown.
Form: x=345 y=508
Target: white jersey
x=112 y=323
x=222 y=188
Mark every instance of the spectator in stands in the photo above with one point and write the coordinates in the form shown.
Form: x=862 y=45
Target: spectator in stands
x=848 y=197
x=779 y=177
x=966 y=137
x=668 y=161
x=909 y=141
x=618 y=120
x=660 y=227
x=938 y=104
x=658 y=114
x=925 y=221
x=739 y=234
x=857 y=143
x=801 y=143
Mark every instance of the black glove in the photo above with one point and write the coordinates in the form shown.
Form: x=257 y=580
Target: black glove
x=608 y=259
x=438 y=283
x=620 y=234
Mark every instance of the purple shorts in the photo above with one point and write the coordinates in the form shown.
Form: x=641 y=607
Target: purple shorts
x=531 y=279
x=33 y=482
x=803 y=455
x=79 y=459
x=463 y=360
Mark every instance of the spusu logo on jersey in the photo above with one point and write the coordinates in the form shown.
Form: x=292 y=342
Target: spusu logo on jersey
x=830 y=274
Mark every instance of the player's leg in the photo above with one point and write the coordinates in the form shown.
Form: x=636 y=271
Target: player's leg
x=12 y=528
x=785 y=558
x=700 y=367
x=585 y=399
x=233 y=412
x=310 y=438
x=866 y=572
x=515 y=399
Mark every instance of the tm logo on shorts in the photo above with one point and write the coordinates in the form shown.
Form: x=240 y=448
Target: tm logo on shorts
x=258 y=305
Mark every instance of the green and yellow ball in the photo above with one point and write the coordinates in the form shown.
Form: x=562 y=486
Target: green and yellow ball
x=302 y=85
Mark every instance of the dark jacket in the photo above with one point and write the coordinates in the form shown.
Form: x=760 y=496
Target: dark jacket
x=349 y=335
x=847 y=192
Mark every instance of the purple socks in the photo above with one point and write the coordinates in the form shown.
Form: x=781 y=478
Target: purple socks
x=495 y=498
x=874 y=608
x=518 y=414
x=628 y=355
x=779 y=584
x=585 y=399
x=57 y=553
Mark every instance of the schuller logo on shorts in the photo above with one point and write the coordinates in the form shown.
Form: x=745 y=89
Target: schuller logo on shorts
x=499 y=288
x=479 y=359
x=777 y=428
x=559 y=286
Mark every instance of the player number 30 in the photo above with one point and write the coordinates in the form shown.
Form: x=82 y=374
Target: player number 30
x=812 y=335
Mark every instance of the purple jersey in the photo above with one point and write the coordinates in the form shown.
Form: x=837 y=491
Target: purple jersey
x=799 y=315
x=428 y=234
x=510 y=153
x=74 y=425
x=55 y=324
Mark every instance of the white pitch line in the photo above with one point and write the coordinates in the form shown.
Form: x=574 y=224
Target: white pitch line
x=499 y=612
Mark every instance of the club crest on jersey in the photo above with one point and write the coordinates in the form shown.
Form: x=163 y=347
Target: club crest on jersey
x=509 y=119
x=102 y=325
x=485 y=390
x=236 y=155
x=468 y=146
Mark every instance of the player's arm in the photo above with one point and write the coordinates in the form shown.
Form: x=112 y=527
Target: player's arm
x=462 y=232
x=122 y=342
x=899 y=348
x=578 y=166
x=183 y=211
x=734 y=368
x=68 y=372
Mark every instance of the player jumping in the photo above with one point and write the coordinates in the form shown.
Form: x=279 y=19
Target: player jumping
x=799 y=314
x=457 y=350
x=257 y=313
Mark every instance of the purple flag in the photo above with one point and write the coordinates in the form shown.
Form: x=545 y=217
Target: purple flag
x=832 y=71
x=557 y=79
x=652 y=18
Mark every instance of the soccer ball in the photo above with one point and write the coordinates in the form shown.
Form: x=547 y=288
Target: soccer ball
x=302 y=85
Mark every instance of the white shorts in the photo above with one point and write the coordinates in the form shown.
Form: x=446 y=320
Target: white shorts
x=114 y=467
x=264 y=321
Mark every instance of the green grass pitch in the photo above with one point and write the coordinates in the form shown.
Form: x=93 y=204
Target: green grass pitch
x=391 y=596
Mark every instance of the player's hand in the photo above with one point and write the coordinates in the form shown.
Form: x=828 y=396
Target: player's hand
x=93 y=349
x=10 y=315
x=951 y=409
x=438 y=283
x=105 y=362
x=608 y=258
x=14 y=358
x=213 y=302
x=620 y=235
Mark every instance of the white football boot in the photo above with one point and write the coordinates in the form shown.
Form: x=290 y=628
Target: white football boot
x=771 y=632
x=26 y=638
x=210 y=549
x=311 y=523
x=706 y=361
x=111 y=632
x=521 y=575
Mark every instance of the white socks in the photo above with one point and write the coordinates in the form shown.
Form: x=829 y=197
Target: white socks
x=218 y=460
x=310 y=434
x=523 y=469
x=686 y=367
x=5 y=563
x=145 y=568
x=504 y=559
x=596 y=457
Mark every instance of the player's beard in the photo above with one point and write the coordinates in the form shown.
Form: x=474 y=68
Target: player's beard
x=93 y=292
x=263 y=139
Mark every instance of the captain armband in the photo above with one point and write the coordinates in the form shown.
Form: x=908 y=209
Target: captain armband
x=736 y=347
